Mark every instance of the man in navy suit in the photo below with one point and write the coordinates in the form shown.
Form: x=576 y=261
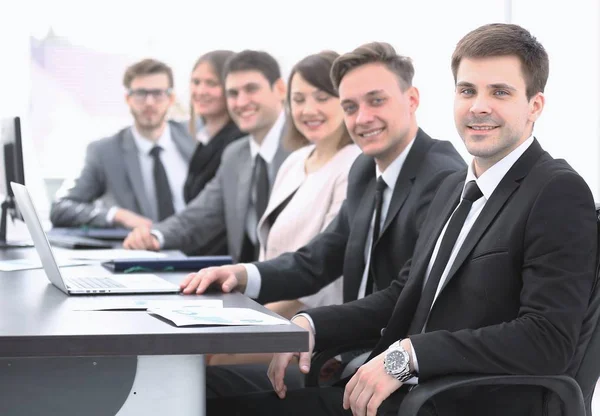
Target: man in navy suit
x=502 y=271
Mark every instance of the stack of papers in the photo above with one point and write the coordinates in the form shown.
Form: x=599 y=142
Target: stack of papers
x=190 y=316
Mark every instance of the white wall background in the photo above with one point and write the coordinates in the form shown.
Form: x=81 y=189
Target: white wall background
x=179 y=31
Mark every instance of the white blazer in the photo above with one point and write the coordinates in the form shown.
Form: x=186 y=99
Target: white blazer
x=317 y=200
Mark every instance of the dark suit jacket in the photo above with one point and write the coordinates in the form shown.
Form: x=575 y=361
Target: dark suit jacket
x=515 y=296
x=206 y=159
x=340 y=248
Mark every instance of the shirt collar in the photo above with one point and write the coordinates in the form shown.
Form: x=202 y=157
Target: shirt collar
x=145 y=145
x=390 y=175
x=490 y=179
x=270 y=143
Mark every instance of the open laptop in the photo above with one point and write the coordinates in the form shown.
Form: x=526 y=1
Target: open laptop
x=77 y=284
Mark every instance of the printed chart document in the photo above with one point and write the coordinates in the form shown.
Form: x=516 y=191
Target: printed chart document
x=211 y=317
x=116 y=304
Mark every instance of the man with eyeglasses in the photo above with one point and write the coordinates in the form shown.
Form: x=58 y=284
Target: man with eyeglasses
x=136 y=177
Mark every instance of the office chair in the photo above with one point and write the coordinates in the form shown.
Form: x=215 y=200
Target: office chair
x=575 y=392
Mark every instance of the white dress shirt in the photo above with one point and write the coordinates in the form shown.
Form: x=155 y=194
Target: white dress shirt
x=487 y=182
x=390 y=176
x=176 y=168
x=202 y=136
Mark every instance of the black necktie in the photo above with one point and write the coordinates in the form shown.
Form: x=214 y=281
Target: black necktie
x=472 y=194
x=261 y=183
x=381 y=186
x=260 y=187
x=164 y=199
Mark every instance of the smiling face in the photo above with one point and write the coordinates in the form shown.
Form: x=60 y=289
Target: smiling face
x=253 y=103
x=316 y=114
x=207 y=94
x=491 y=110
x=379 y=115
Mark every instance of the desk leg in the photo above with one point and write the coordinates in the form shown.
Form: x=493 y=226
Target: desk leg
x=101 y=386
x=167 y=384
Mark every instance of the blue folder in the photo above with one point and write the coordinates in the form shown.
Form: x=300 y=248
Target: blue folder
x=167 y=264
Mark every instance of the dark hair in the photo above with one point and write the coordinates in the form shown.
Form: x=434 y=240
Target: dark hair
x=249 y=60
x=374 y=52
x=217 y=60
x=315 y=70
x=147 y=67
x=501 y=39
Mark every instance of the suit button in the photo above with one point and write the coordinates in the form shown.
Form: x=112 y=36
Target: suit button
x=382 y=331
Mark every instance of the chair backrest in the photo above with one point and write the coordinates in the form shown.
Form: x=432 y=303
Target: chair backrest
x=588 y=349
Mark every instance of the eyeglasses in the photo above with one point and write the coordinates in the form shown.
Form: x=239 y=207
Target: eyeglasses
x=140 y=95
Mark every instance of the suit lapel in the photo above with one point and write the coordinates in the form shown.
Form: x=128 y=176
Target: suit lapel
x=244 y=184
x=185 y=145
x=421 y=263
x=134 y=173
x=280 y=155
x=358 y=239
x=507 y=186
x=406 y=177
x=292 y=182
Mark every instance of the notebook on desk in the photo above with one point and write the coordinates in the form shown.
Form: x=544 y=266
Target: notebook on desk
x=82 y=281
x=77 y=242
x=168 y=264
x=110 y=234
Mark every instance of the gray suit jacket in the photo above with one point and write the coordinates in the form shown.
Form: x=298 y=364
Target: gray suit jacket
x=111 y=176
x=221 y=206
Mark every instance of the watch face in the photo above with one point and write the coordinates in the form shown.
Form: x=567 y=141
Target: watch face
x=395 y=360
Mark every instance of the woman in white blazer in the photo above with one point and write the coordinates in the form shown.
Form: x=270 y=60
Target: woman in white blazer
x=311 y=184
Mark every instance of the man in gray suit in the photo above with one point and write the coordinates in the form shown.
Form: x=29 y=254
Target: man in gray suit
x=234 y=200
x=135 y=177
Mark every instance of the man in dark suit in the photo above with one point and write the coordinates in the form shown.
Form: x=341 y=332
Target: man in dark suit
x=501 y=274
x=401 y=167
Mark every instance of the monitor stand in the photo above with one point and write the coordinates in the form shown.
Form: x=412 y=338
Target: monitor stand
x=9 y=204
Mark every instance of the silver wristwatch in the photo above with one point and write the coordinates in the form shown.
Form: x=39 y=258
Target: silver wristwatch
x=397 y=362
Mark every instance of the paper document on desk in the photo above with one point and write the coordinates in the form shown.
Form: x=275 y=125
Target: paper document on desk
x=28 y=264
x=112 y=304
x=113 y=254
x=214 y=317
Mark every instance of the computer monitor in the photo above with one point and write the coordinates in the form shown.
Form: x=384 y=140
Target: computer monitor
x=11 y=147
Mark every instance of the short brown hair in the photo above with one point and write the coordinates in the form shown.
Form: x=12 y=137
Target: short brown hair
x=315 y=70
x=217 y=60
x=147 y=67
x=250 y=60
x=374 y=52
x=502 y=39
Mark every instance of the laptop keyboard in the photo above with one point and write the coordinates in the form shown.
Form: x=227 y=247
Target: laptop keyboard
x=94 y=283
